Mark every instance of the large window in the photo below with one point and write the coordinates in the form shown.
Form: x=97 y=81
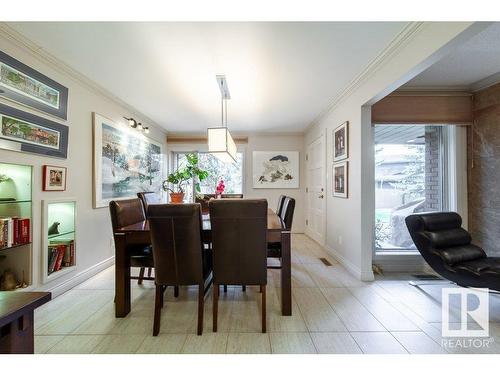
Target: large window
x=409 y=178
x=232 y=174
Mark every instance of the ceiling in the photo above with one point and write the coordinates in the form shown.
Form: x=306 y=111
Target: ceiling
x=280 y=75
x=473 y=64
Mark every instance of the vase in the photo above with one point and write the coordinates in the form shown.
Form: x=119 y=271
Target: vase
x=176 y=197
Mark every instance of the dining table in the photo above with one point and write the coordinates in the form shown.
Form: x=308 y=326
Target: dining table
x=138 y=233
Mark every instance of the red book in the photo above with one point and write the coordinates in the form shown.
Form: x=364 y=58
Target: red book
x=72 y=253
x=16 y=238
x=24 y=229
x=61 y=249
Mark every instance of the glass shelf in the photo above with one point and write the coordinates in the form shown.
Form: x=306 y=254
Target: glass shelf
x=60 y=234
x=13 y=202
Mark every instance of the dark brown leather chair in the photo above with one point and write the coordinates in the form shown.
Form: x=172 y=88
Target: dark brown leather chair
x=239 y=230
x=179 y=256
x=147 y=198
x=281 y=200
x=127 y=212
x=287 y=211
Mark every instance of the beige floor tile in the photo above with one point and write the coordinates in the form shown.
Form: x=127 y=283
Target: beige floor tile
x=119 y=344
x=166 y=343
x=335 y=343
x=418 y=343
x=378 y=343
x=390 y=317
x=300 y=277
x=44 y=343
x=100 y=323
x=352 y=313
x=78 y=344
x=291 y=343
x=276 y=322
x=324 y=276
x=316 y=311
x=208 y=343
x=248 y=343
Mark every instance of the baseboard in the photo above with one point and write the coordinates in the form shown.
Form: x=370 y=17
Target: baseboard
x=351 y=267
x=81 y=277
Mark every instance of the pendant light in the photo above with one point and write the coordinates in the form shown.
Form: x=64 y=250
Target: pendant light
x=220 y=141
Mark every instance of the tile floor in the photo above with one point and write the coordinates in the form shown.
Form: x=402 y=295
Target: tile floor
x=332 y=313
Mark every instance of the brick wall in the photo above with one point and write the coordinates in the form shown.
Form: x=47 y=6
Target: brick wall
x=433 y=179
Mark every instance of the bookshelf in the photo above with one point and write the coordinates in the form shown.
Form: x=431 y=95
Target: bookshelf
x=58 y=238
x=16 y=255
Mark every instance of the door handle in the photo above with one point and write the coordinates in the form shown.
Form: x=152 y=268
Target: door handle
x=321 y=196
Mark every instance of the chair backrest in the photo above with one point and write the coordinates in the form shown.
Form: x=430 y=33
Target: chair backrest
x=126 y=212
x=239 y=230
x=281 y=200
x=147 y=198
x=176 y=238
x=287 y=212
x=440 y=238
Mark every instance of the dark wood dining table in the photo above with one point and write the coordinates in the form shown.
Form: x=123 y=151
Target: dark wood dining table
x=138 y=233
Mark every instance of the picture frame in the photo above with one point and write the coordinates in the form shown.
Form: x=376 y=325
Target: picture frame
x=25 y=132
x=125 y=162
x=276 y=169
x=340 y=177
x=54 y=178
x=341 y=142
x=25 y=85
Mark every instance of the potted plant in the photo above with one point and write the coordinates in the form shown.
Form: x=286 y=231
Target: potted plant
x=177 y=180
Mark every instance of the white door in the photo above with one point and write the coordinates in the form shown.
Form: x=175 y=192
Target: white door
x=316 y=190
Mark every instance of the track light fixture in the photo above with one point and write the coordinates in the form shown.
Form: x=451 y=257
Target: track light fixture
x=137 y=125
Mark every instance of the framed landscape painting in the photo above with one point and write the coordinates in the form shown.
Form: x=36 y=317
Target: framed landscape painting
x=341 y=142
x=25 y=132
x=125 y=162
x=341 y=179
x=276 y=170
x=25 y=85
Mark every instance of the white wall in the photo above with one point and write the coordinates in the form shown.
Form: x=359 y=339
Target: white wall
x=267 y=142
x=349 y=224
x=94 y=247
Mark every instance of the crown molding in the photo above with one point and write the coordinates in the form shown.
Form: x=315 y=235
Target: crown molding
x=486 y=82
x=396 y=44
x=45 y=57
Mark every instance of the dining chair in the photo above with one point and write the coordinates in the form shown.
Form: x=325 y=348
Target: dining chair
x=147 y=198
x=127 y=212
x=281 y=200
x=178 y=253
x=239 y=230
x=274 y=248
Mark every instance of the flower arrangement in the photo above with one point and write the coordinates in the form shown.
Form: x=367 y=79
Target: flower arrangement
x=220 y=188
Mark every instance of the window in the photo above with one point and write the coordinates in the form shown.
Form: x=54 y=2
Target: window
x=232 y=174
x=410 y=177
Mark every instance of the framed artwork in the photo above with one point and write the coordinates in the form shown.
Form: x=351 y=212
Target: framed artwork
x=276 y=169
x=54 y=178
x=341 y=142
x=340 y=179
x=25 y=132
x=125 y=162
x=20 y=83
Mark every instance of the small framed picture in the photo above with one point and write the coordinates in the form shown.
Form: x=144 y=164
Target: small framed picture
x=340 y=179
x=54 y=178
x=341 y=142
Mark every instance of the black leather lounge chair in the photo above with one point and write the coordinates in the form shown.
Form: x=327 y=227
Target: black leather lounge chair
x=447 y=248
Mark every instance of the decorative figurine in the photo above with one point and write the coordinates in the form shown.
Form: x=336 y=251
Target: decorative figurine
x=53 y=229
x=8 y=281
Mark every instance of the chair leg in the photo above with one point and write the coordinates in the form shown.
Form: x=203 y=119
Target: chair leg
x=264 y=315
x=163 y=288
x=225 y=288
x=141 y=276
x=149 y=271
x=157 y=316
x=176 y=291
x=201 y=299
x=215 y=303
x=244 y=288
x=260 y=289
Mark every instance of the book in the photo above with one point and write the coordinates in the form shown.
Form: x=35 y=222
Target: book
x=14 y=231
x=60 y=254
x=52 y=259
